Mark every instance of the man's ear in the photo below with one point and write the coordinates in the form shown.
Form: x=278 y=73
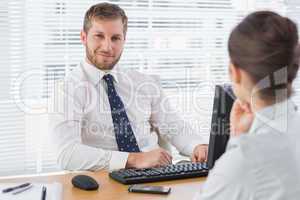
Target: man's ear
x=235 y=73
x=83 y=37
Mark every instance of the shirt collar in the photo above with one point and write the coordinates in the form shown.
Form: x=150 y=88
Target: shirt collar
x=95 y=74
x=275 y=116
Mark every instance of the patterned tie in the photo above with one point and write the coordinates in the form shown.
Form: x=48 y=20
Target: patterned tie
x=124 y=134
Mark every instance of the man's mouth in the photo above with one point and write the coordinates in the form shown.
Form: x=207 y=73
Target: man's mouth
x=105 y=55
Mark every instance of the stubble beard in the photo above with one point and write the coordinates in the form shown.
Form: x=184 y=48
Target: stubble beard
x=92 y=58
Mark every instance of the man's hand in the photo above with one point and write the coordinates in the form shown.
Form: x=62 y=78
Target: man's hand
x=241 y=118
x=200 y=153
x=154 y=158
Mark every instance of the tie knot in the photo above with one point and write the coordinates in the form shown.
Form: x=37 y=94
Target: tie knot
x=108 y=78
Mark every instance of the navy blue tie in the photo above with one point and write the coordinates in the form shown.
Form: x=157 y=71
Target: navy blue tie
x=124 y=134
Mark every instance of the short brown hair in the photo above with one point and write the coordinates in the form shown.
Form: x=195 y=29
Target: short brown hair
x=104 y=11
x=263 y=43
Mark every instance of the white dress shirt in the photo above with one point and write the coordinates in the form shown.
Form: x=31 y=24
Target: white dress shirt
x=263 y=164
x=81 y=124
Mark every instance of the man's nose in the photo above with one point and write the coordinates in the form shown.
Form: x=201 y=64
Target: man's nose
x=107 y=46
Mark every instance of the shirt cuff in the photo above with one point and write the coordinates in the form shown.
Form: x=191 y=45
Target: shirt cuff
x=118 y=160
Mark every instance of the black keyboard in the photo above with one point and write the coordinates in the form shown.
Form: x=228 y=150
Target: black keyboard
x=169 y=172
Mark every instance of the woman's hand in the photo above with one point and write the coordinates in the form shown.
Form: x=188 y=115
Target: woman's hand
x=241 y=118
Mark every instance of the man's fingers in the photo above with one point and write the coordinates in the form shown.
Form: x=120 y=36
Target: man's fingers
x=201 y=155
x=163 y=161
x=167 y=156
x=164 y=158
x=194 y=158
x=205 y=154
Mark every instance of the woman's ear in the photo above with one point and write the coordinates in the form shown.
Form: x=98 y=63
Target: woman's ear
x=234 y=73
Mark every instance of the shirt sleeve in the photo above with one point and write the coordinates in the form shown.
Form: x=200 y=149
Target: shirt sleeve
x=171 y=126
x=65 y=128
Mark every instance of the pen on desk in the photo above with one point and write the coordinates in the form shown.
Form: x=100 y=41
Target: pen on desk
x=16 y=187
x=22 y=190
x=44 y=193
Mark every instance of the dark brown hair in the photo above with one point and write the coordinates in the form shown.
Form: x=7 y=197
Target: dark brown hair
x=104 y=11
x=264 y=43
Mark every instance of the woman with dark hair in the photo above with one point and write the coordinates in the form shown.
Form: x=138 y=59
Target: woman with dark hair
x=262 y=159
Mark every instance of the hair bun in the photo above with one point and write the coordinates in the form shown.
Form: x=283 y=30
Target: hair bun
x=293 y=68
x=297 y=53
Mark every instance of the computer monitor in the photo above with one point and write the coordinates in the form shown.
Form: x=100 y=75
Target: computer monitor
x=220 y=123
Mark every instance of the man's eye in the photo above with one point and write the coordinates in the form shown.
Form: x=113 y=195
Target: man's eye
x=116 y=38
x=99 y=36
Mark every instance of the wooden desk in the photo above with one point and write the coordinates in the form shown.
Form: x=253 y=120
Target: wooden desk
x=112 y=190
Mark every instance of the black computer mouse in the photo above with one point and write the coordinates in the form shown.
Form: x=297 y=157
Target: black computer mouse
x=85 y=182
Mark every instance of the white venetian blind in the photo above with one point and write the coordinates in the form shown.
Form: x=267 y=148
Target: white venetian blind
x=13 y=148
x=182 y=41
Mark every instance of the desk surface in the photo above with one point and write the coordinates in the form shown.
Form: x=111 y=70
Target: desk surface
x=112 y=190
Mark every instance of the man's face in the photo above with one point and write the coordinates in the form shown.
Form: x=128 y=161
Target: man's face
x=104 y=43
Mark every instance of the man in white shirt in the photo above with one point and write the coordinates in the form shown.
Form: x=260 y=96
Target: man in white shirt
x=106 y=112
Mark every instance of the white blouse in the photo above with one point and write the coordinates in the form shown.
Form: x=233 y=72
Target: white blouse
x=263 y=164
